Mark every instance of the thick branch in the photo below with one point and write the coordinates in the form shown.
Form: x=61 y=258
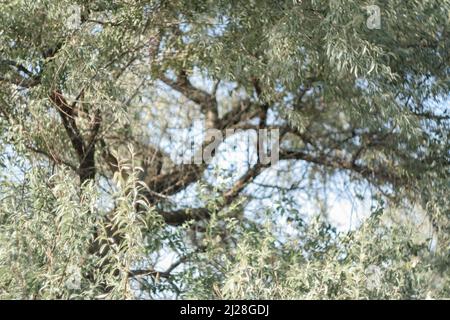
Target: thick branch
x=84 y=150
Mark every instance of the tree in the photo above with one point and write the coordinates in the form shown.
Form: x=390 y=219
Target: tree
x=95 y=97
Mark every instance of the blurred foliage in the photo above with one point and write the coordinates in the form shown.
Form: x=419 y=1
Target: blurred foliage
x=379 y=94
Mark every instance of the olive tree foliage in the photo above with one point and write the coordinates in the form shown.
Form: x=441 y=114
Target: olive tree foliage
x=93 y=204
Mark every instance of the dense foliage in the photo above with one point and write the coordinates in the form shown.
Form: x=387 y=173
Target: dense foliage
x=97 y=98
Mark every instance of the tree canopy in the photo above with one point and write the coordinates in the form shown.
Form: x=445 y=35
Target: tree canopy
x=99 y=101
